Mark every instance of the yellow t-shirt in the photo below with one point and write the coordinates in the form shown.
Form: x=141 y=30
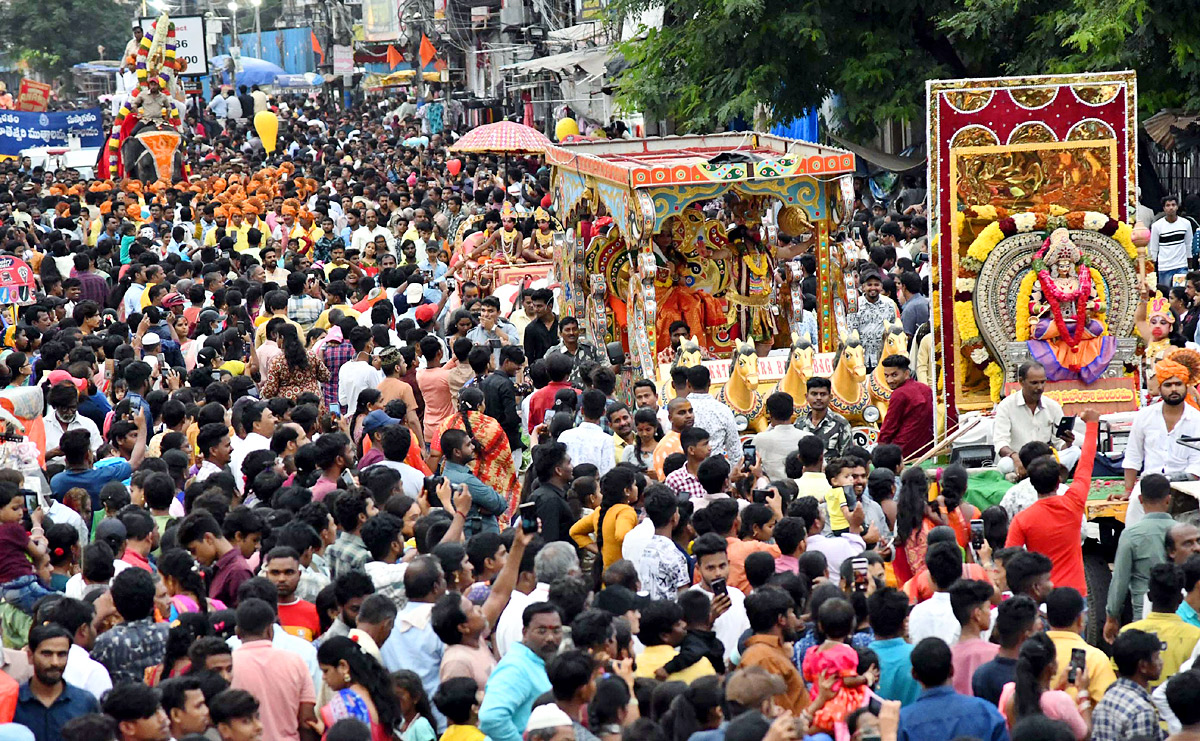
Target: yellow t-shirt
x=323 y=320
x=463 y=733
x=654 y=657
x=835 y=499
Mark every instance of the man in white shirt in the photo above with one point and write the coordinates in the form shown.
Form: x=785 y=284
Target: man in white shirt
x=662 y=568
x=935 y=616
x=1154 y=441
x=369 y=230
x=773 y=445
x=63 y=399
x=588 y=443
x=1028 y=416
x=358 y=374
x=554 y=561
x=76 y=615
x=837 y=548
x=712 y=564
x=259 y=423
x=713 y=416
x=1170 y=242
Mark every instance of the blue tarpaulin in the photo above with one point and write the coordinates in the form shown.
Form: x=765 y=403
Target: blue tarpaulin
x=288 y=48
x=254 y=71
x=805 y=128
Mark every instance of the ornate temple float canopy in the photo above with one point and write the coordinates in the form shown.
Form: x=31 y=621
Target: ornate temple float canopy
x=673 y=172
x=640 y=184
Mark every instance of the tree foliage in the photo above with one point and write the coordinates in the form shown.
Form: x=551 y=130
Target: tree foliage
x=713 y=60
x=52 y=36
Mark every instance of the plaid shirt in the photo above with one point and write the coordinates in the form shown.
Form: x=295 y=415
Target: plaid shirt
x=335 y=356
x=683 y=482
x=348 y=553
x=305 y=310
x=1125 y=712
x=127 y=649
x=311 y=583
x=92 y=288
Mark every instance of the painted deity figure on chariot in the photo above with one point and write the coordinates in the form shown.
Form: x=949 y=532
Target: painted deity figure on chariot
x=1067 y=335
x=742 y=299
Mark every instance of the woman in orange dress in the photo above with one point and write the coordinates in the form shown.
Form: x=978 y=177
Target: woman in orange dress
x=494 y=463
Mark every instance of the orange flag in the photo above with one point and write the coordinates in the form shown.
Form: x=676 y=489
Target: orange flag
x=316 y=45
x=427 y=51
x=393 y=57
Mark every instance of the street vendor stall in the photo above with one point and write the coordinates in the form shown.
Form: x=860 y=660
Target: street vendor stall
x=641 y=254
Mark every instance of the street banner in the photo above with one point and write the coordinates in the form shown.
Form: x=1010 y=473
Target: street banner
x=33 y=96
x=381 y=20
x=24 y=130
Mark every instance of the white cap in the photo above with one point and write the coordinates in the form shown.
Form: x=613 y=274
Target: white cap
x=547 y=716
x=150 y=338
x=413 y=293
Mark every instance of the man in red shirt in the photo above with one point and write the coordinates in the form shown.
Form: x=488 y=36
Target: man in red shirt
x=295 y=615
x=558 y=368
x=909 y=419
x=1046 y=526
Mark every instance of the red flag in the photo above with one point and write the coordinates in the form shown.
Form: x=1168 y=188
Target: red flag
x=316 y=45
x=439 y=65
x=393 y=57
x=427 y=51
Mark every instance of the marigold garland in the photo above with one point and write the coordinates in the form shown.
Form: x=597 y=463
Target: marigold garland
x=1023 y=295
x=964 y=318
x=995 y=374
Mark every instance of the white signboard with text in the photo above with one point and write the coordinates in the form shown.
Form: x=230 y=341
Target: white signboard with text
x=189 y=41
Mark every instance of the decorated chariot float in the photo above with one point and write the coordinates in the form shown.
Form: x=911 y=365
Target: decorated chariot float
x=642 y=248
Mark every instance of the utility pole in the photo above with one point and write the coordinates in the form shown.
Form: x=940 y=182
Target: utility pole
x=258 y=25
x=235 y=45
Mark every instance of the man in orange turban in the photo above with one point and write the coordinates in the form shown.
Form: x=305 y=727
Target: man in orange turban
x=1154 y=445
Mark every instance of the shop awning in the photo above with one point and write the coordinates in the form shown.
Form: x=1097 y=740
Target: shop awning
x=881 y=160
x=579 y=33
x=591 y=61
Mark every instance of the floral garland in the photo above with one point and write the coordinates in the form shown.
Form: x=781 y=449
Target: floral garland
x=1004 y=225
x=1081 y=295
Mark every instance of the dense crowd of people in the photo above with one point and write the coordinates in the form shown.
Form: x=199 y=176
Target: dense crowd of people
x=293 y=480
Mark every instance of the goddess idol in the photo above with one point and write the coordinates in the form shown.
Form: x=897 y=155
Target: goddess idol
x=1067 y=335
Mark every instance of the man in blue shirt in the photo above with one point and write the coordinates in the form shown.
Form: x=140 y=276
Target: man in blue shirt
x=413 y=645
x=888 y=612
x=486 y=502
x=941 y=714
x=80 y=472
x=520 y=677
x=46 y=702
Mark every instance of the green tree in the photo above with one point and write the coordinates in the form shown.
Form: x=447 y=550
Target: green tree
x=52 y=36
x=713 y=60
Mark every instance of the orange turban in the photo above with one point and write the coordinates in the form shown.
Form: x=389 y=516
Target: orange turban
x=233 y=210
x=1166 y=369
x=220 y=212
x=106 y=207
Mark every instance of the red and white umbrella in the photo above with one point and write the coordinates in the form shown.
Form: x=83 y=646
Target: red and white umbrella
x=504 y=137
